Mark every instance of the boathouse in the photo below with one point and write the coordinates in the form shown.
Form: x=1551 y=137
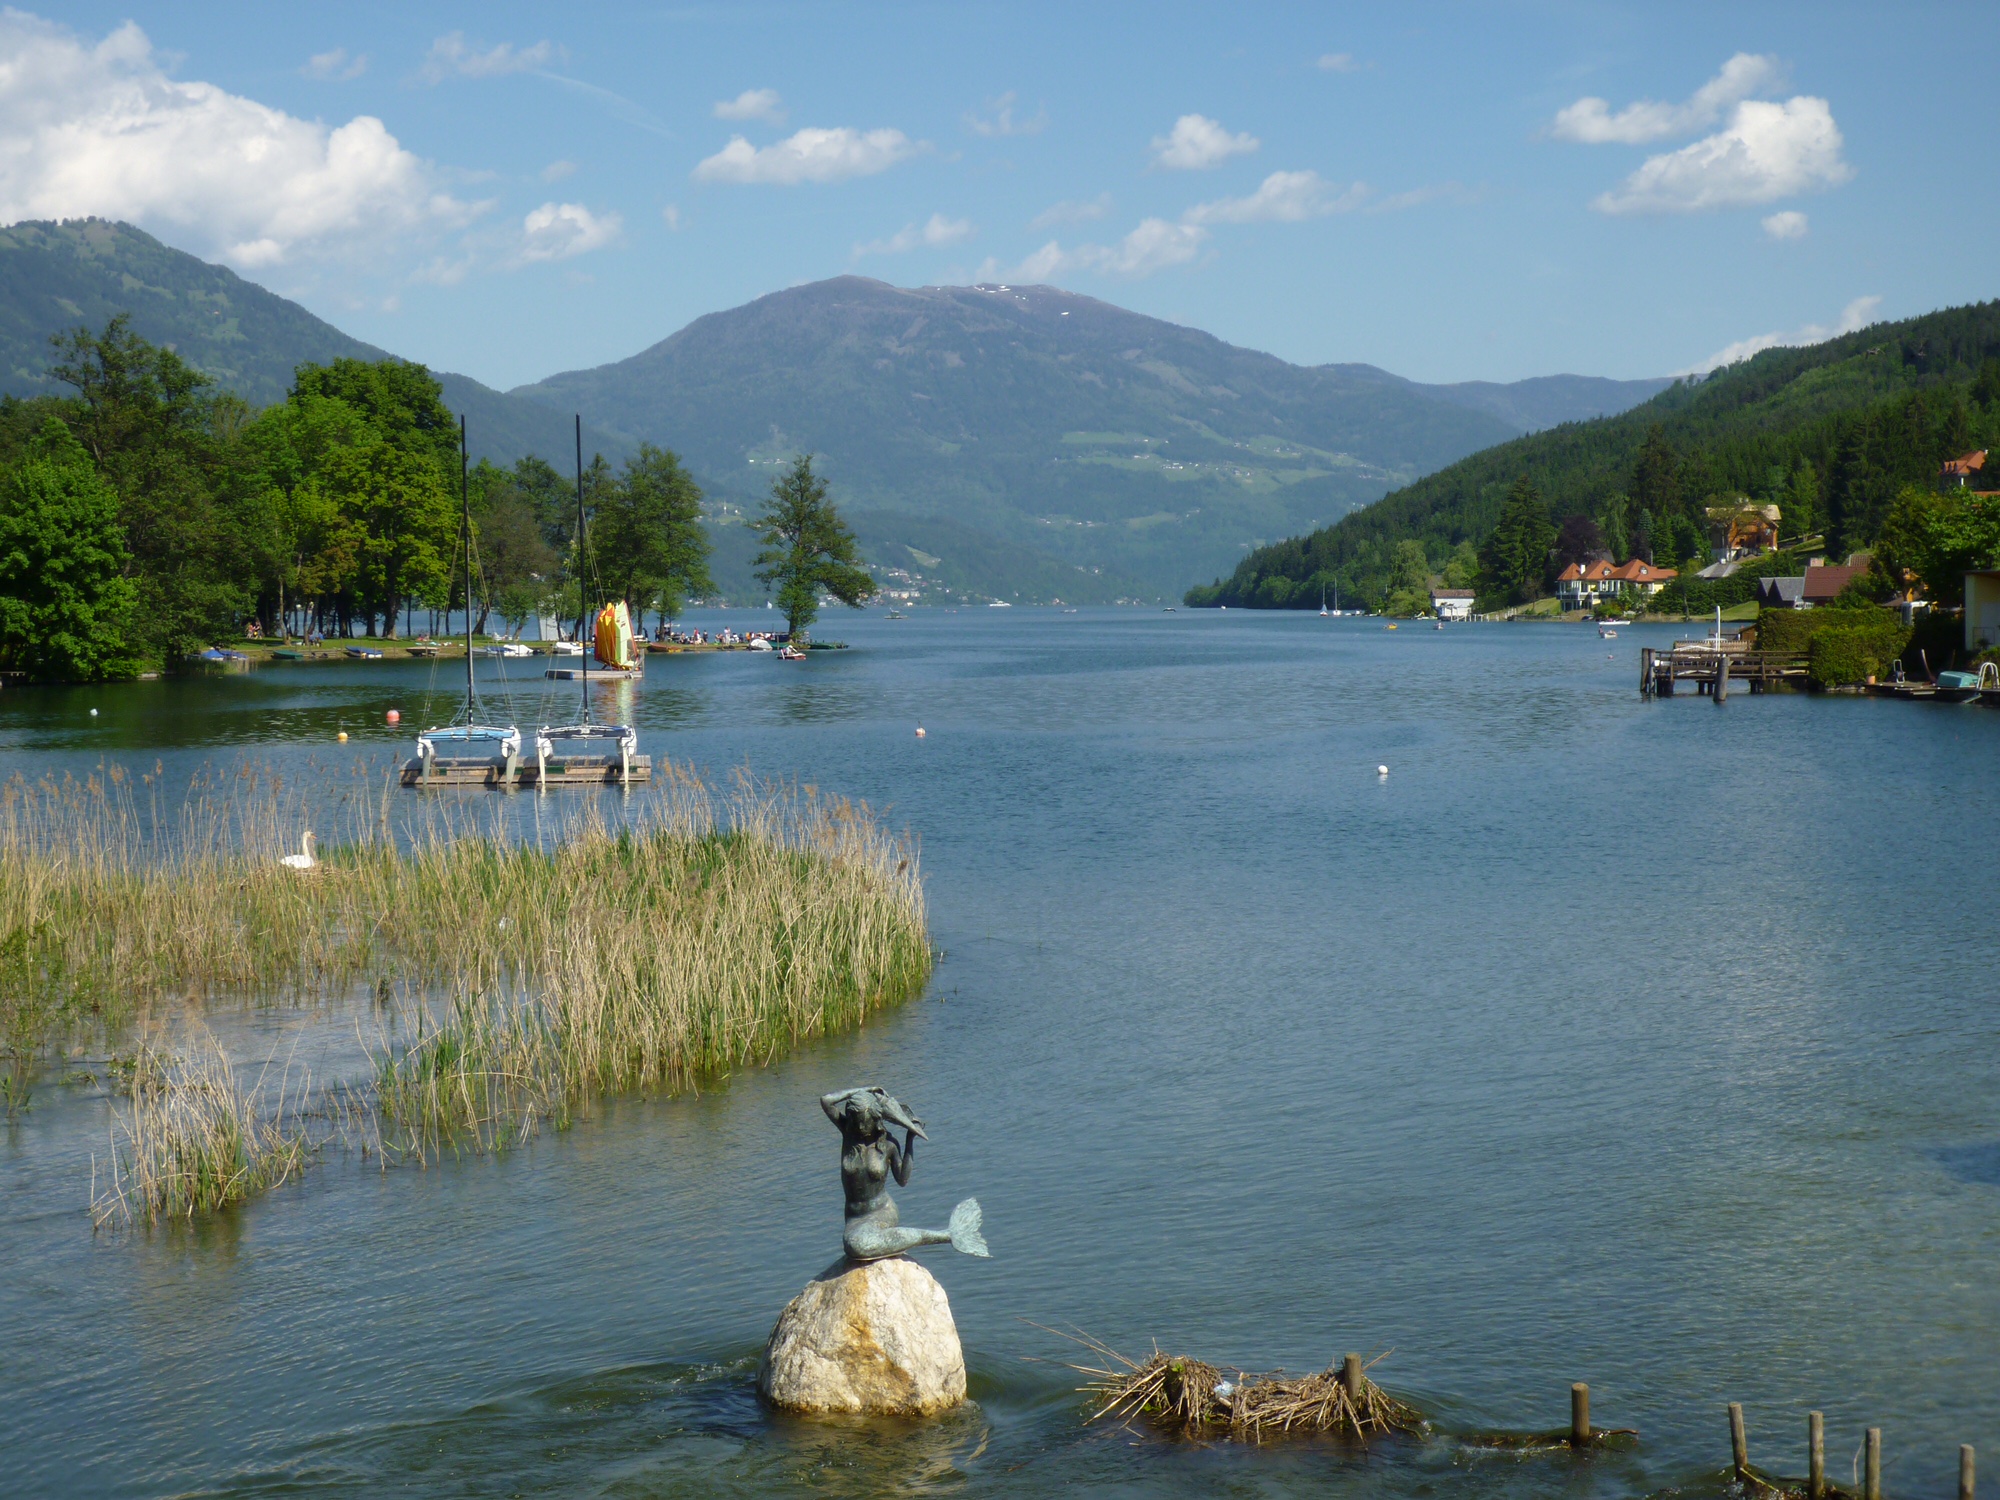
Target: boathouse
x=1452 y=604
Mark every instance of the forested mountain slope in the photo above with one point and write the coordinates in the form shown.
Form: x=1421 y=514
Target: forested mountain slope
x=1829 y=432
x=1040 y=422
x=57 y=276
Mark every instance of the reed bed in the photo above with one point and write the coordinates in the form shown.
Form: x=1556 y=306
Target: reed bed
x=545 y=960
x=192 y=1140
x=1192 y=1398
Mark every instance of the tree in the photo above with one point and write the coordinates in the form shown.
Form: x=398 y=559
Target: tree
x=65 y=603
x=807 y=548
x=648 y=540
x=408 y=522
x=1613 y=520
x=1578 y=541
x=511 y=555
x=1656 y=476
x=1515 y=558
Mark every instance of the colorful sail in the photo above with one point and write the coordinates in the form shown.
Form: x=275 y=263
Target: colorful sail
x=614 y=635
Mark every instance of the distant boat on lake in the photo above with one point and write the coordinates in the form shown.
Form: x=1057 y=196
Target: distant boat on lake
x=364 y=653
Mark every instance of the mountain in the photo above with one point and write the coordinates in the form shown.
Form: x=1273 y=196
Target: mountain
x=1828 y=432
x=1550 y=400
x=1047 y=427
x=54 y=276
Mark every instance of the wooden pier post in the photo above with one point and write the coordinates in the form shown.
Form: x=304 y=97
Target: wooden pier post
x=1965 y=1471
x=1739 y=1445
x=1350 y=1376
x=1721 y=677
x=1871 y=1467
x=1815 y=1456
x=1579 y=1415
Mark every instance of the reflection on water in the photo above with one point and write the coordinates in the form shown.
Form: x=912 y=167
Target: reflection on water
x=1602 y=1040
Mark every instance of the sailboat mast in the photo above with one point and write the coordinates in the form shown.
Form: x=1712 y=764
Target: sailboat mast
x=582 y=599
x=465 y=516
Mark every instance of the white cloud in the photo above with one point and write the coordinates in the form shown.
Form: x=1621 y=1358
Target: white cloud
x=451 y=56
x=1284 y=198
x=556 y=171
x=1591 y=121
x=101 y=129
x=934 y=234
x=752 y=104
x=1767 y=151
x=335 y=65
x=1788 y=225
x=556 y=231
x=809 y=155
x=671 y=214
x=1003 y=121
x=1072 y=211
x=1857 y=314
x=1197 y=142
x=1155 y=245
x=1339 y=62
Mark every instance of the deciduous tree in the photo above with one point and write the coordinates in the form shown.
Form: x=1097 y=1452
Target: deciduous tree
x=807 y=548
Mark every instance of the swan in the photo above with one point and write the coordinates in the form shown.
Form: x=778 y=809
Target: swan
x=304 y=861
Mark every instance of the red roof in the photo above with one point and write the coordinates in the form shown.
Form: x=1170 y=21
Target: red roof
x=1965 y=465
x=1828 y=579
x=1595 y=572
x=1636 y=571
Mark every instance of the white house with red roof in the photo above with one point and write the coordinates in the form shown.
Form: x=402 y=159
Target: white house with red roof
x=1581 y=585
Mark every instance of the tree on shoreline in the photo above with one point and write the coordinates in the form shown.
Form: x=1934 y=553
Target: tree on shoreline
x=65 y=603
x=807 y=548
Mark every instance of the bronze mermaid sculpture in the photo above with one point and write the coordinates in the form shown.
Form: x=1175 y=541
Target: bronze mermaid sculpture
x=869 y=1156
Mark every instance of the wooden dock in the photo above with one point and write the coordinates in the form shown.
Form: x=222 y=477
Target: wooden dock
x=607 y=674
x=1712 y=670
x=493 y=771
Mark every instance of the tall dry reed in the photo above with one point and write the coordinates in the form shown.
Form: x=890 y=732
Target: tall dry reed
x=698 y=933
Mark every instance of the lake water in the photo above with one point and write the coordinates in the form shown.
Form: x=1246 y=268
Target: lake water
x=1648 y=1044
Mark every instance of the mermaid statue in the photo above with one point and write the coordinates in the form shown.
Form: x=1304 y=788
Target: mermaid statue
x=869 y=1157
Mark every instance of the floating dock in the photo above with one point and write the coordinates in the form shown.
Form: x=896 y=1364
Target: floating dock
x=609 y=674
x=493 y=771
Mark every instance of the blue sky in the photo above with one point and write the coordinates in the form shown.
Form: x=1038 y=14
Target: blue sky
x=1473 y=191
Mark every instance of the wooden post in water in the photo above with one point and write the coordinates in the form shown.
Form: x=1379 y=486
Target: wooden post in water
x=1579 y=1415
x=1350 y=1376
x=1965 y=1471
x=1871 y=1467
x=1815 y=1456
x=1721 y=677
x=1739 y=1445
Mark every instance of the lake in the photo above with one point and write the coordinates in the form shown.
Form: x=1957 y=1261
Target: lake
x=1651 y=1044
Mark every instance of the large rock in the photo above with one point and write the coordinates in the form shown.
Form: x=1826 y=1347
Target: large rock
x=874 y=1338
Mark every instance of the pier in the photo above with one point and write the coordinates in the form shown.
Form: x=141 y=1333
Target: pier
x=1711 y=667
x=512 y=773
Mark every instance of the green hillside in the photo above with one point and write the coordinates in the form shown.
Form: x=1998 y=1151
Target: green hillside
x=1829 y=432
x=55 y=276
x=1046 y=427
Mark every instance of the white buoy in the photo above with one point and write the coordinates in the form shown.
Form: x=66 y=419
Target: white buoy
x=1381 y=770
x=93 y=713
x=920 y=731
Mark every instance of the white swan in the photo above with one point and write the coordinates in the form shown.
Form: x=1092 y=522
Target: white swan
x=303 y=861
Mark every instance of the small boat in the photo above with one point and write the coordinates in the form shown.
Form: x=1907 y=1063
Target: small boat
x=1170 y=609
x=223 y=659
x=566 y=648
x=1389 y=627
x=1322 y=601
x=288 y=656
x=1606 y=633
x=364 y=653
x=895 y=614
x=998 y=604
x=791 y=653
x=505 y=648
x=1961 y=687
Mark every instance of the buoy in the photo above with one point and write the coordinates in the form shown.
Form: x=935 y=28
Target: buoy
x=343 y=736
x=920 y=731
x=1381 y=770
x=394 y=717
x=93 y=713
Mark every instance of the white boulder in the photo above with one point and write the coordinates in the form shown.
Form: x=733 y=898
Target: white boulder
x=874 y=1338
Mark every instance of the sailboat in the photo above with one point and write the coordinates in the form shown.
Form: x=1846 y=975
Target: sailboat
x=556 y=764
x=450 y=755
x=1322 y=601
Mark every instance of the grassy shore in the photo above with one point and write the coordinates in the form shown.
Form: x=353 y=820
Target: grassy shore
x=702 y=932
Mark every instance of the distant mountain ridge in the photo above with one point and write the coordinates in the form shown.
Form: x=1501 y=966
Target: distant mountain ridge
x=1047 y=423
x=54 y=276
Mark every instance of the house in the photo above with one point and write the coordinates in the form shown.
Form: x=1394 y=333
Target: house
x=1781 y=593
x=1824 y=580
x=1452 y=604
x=1959 y=473
x=1581 y=585
x=1982 y=609
x=1742 y=530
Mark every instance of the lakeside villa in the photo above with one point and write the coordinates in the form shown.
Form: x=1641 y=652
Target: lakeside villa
x=1585 y=585
x=1452 y=604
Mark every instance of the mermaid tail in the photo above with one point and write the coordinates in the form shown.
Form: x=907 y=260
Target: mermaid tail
x=964 y=1229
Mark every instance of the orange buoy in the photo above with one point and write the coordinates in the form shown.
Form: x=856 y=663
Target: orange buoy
x=920 y=731
x=394 y=717
x=343 y=736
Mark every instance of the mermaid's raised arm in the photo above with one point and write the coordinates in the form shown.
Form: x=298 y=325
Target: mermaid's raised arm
x=902 y=1158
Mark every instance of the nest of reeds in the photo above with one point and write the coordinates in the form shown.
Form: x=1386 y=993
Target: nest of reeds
x=1193 y=1398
